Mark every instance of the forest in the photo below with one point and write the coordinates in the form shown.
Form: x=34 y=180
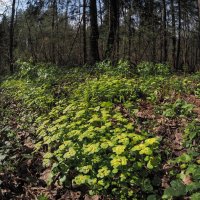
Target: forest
x=99 y=99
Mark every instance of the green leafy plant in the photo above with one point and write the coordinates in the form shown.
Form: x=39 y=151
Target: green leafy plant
x=148 y=68
x=103 y=149
x=179 y=108
x=187 y=181
x=121 y=69
x=42 y=197
x=192 y=134
x=93 y=137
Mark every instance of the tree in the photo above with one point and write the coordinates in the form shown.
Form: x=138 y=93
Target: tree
x=173 y=34
x=84 y=33
x=165 y=30
x=199 y=32
x=113 y=27
x=12 y=37
x=179 y=37
x=94 y=35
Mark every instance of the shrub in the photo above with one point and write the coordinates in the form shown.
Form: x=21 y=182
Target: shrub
x=121 y=69
x=38 y=72
x=179 y=108
x=148 y=68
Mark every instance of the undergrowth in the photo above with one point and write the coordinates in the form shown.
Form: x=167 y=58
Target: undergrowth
x=87 y=120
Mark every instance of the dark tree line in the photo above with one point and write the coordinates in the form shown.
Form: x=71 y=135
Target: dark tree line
x=76 y=32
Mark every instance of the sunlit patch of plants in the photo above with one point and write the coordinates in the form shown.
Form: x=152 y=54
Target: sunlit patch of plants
x=89 y=140
x=179 y=108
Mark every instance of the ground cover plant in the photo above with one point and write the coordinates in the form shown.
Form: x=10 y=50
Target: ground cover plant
x=112 y=132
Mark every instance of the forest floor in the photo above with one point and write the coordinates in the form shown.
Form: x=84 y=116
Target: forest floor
x=23 y=176
x=174 y=116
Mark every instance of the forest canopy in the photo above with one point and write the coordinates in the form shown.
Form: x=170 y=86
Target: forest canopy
x=85 y=31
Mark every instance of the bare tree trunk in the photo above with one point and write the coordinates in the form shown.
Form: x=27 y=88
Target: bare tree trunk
x=94 y=35
x=165 y=30
x=113 y=26
x=153 y=26
x=178 y=67
x=199 y=7
x=12 y=37
x=173 y=34
x=129 y=34
x=101 y=12
x=84 y=33
x=53 y=42
x=161 y=38
x=198 y=60
x=34 y=57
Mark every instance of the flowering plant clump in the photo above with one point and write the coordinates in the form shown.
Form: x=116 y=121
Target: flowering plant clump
x=95 y=140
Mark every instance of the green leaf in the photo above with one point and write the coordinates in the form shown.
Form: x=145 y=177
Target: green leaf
x=146 y=186
x=184 y=158
x=42 y=197
x=151 y=197
x=195 y=196
x=177 y=189
x=152 y=163
x=193 y=187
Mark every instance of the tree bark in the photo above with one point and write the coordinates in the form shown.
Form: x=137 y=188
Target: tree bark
x=173 y=34
x=178 y=67
x=11 y=47
x=129 y=33
x=198 y=60
x=113 y=27
x=94 y=35
x=165 y=30
x=152 y=10
x=53 y=36
x=84 y=33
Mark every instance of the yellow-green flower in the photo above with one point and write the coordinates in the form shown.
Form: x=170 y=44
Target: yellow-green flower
x=81 y=179
x=151 y=141
x=119 y=149
x=122 y=177
x=70 y=153
x=138 y=147
x=85 y=169
x=91 y=148
x=104 y=171
x=118 y=161
x=146 y=151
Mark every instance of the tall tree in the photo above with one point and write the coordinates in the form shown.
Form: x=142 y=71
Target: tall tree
x=53 y=31
x=94 y=35
x=113 y=27
x=173 y=33
x=198 y=60
x=151 y=7
x=178 y=67
x=129 y=30
x=11 y=59
x=84 y=33
x=165 y=30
